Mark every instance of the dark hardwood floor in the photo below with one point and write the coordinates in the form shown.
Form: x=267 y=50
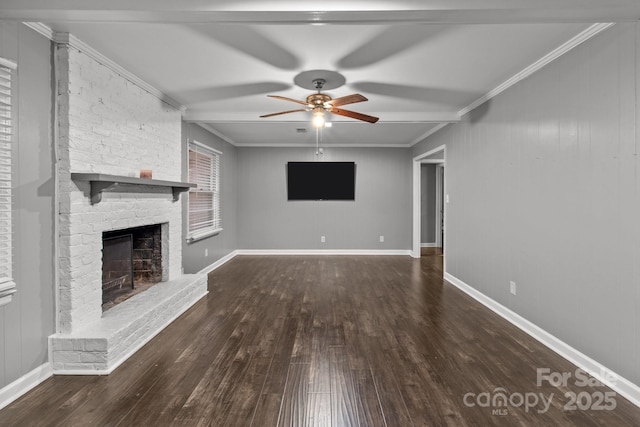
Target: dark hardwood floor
x=329 y=341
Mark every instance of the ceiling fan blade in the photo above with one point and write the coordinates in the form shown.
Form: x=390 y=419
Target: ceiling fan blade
x=389 y=42
x=284 y=98
x=444 y=95
x=349 y=99
x=217 y=93
x=284 y=112
x=251 y=42
x=354 y=115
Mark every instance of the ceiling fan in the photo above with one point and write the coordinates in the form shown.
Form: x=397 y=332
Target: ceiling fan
x=320 y=103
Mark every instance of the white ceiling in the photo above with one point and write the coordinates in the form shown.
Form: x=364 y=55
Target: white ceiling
x=420 y=63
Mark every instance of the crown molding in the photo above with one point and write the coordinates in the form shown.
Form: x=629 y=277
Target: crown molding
x=211 y=129
x=323 y=146
x=427 y=134
x=551 y=56
x=69 y=39
x=582 y=37
x=40 y=28
x=76 y=43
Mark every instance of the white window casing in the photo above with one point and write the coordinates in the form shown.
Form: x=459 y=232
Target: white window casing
x=7 y=285
x=204 y=210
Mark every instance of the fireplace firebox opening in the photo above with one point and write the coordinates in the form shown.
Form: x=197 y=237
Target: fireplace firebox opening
x=131 y=262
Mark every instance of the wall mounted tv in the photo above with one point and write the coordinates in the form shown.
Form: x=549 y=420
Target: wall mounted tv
x=321 y=180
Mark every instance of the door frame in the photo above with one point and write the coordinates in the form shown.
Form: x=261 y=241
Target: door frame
x=439 y=204
x=417 y=161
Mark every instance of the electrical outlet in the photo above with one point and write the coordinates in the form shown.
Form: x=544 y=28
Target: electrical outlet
x=322 y=239
x=512 y=287
x=206 y=251
x=381 y=239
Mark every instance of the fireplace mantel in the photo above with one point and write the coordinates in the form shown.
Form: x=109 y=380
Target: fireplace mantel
x=100 y=182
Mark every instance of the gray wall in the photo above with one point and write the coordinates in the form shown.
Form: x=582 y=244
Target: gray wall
x=544 y=190
x=428 y=203
x=29 y=319
x=382 y=206
x=216 y=247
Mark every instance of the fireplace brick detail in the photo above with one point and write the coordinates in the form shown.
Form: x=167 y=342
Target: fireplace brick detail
x=107 y=124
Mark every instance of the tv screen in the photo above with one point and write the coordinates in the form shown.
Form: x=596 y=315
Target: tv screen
x=321 y=180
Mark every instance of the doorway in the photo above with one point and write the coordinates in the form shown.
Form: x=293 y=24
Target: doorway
x=434 y=156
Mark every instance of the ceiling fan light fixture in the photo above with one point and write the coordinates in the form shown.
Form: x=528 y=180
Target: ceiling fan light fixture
x=318 y=117
x=319 y=103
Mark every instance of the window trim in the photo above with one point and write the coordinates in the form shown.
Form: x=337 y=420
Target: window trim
x=7 y=285
x=193 y=236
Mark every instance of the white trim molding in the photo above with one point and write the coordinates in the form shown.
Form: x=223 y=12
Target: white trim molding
x=8 y=63
x=429 y=133
x=403 y=252
x=325 y=146
x=40 y=28
x=7 y=289
x=203 y=235
x=76 y=43
x=439 y=206
x=266 y=252
x=582 y=37
x=216 y=132
x=205 y=146
x=25 y=383
x=218 y=263
x=428 y=245
x=416 y=226
x=600 y=372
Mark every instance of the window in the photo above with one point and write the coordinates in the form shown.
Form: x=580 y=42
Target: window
x=7 y=285
x=204 y=200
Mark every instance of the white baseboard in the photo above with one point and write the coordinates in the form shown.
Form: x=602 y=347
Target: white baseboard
x=619 y=384
x=323 y=252
x=428 y=245
x=218 y=263
x=237 y=252
x=22 y=385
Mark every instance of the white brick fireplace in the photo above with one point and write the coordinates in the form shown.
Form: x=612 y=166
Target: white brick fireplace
x=109 y=125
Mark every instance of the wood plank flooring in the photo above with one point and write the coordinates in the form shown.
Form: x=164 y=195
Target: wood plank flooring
x=326 y=341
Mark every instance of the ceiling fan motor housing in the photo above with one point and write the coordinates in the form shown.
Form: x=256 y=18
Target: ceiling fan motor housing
x=318 y=99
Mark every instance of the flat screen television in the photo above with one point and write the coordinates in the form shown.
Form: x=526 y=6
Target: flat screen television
x=321 y=181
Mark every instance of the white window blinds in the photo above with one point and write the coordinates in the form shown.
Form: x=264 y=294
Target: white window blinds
x=204 y=200
x=7 y=285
